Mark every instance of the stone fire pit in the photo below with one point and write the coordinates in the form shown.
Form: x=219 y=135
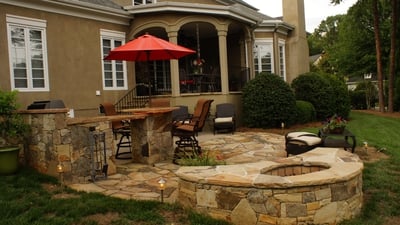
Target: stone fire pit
x=322 y=186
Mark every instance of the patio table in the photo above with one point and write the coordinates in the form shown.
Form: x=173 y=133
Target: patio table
x=346 y=139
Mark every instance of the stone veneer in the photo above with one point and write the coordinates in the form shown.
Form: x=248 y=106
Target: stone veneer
x=322 y=186
x=55 y=138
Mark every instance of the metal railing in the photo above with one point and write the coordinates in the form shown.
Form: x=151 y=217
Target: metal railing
x=137 y=97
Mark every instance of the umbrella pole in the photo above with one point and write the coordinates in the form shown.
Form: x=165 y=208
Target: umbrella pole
x=148 y=76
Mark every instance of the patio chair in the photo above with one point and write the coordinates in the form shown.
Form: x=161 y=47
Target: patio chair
x=119 y=128
x=224 y=117
x=301 y=142
x=187 y=144
x=181 y=114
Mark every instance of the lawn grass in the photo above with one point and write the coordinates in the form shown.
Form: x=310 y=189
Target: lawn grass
x=30 y=197
x=36 y=199
x=381 y=180
x=381 y=185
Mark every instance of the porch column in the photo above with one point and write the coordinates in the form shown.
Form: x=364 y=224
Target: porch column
x=173 y=37
x=223 y=60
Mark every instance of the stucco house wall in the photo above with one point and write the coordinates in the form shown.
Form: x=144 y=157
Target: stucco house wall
x=74 y=54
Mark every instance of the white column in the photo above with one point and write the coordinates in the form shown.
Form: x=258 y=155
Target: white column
x=223 y=60
x=174 y=64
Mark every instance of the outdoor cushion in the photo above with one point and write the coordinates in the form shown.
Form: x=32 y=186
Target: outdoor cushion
x=301 y=144
x=223 y=120
x=291 y=135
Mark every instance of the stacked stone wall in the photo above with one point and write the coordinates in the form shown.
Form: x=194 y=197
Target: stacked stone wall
x=321 y=204
x=54 y=140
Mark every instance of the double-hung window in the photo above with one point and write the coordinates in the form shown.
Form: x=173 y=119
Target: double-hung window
x=263 y=56
x=27 y=53
x=114 y=71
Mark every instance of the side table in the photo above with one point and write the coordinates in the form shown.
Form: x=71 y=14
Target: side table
x=346 y=140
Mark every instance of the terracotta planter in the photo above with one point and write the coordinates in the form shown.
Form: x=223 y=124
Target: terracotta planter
x=9 y=160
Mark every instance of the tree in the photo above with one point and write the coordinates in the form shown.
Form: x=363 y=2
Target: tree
x=392 y=64
x=382 y=15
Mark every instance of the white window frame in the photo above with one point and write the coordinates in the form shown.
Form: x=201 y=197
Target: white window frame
x=143 y=2
x=113 y=36
x=282 y=58
x=266 y=42
x=27 y=24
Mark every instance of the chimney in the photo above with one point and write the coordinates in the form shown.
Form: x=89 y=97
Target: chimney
x=296 y=46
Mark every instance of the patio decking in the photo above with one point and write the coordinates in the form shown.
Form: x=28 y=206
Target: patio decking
x=139 y=181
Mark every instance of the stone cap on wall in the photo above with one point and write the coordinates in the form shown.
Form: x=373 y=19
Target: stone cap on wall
x=337 y=165
x=84 y=120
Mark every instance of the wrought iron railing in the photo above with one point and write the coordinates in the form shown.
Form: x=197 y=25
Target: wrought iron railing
x=137 y=97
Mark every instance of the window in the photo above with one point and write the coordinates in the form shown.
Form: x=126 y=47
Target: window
x=27 y=53
x=114 y=71
x=143 y=2
x=263 y=56
x=282 y=63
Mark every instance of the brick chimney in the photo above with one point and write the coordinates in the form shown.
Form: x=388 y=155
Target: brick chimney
x=296 y=46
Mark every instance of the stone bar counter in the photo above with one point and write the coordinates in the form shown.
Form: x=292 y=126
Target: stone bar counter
x=56 y=139
x=151 y=137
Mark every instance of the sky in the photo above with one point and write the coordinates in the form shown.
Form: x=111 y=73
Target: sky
x=315 y=10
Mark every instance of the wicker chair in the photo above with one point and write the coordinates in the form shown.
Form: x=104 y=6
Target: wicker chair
x=300 y=142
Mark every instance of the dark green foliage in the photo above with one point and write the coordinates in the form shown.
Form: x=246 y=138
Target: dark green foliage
x=328 y=95
x=267 y=102
x=313 y=88
x=305 y=112
x=358 y=99
x=370 y=95
x=341 y=97
x=396 y=102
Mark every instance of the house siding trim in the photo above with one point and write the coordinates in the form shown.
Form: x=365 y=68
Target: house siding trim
x=79 y=9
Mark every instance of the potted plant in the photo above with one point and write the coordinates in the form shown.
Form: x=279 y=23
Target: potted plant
x=12 y=132
x=335 y=125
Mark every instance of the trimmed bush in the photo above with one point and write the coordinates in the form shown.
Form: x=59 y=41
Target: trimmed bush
x=341 y=98
x=305 y=112
x=267 y=102
x=327 y=94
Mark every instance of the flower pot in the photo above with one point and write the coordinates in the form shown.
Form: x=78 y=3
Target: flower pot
x=336 y=130
x=9 y=160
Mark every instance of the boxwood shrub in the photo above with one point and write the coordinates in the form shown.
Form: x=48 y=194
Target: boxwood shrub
x=305 y=112
x=267 y=102
x=328 y=94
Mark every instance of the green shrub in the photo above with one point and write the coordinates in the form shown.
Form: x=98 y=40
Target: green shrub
x=341 y=97
x=327 y=94
x=357 y=98
x=305 y=112
x=267 y=102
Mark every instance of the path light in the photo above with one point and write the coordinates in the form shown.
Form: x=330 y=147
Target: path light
x=60 y=170
x=283 y=126
x=365 y=146
x=162 y=185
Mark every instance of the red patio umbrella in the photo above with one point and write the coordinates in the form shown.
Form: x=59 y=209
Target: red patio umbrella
x=148 y=48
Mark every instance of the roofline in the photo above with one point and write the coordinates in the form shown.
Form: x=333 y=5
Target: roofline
x=235 y=11
x=105 y=14
x=274 y=26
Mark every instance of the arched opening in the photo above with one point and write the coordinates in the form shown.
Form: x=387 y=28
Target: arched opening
x=199 y=72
